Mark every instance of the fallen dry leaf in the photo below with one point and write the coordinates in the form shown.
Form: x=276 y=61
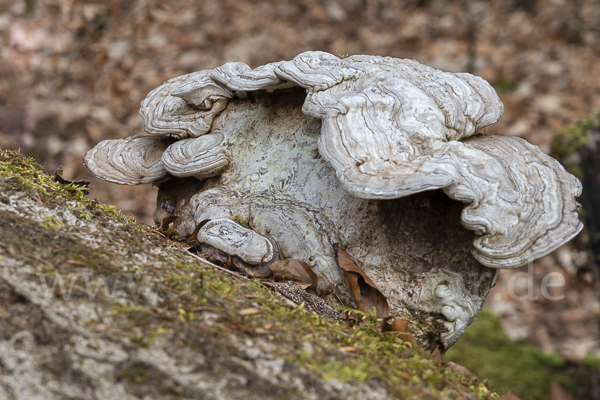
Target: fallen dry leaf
x=558 y=393
x=348 y=349
x=436 y=357
x=261 y=271
x=250 y=311
x=296 y=271
x=469 y=375
x=166 y=223
x=171 y=231
x=392 y=324
x=167 y=227
x=289 y=303
x=365 y=292
x=400 y=326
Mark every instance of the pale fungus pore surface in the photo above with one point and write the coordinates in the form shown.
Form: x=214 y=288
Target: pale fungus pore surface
x=322 y=150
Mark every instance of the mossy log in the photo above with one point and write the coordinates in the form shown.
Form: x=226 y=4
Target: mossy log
x=138 y=317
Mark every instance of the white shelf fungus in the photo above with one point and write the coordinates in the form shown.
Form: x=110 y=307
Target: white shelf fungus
x=320 y=168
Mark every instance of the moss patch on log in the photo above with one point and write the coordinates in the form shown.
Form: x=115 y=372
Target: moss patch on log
x=487 y=351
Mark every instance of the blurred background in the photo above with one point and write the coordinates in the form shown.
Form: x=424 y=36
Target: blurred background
x=74 y=73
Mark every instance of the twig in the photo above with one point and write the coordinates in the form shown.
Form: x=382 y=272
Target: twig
x=313 y=300
x=211 y=287
x=107 y=235
x=181 y=294
x=217 y=267
x=48 y=263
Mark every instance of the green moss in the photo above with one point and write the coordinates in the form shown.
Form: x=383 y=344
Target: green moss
x=567 y=142
x=134 y=375
x=487 y=352
x=139 y=315
x=504 y=86
x=242 y=221
x=340 y=55
x=146 y=341
x=592 y=362
x=25 y=174
x=352 y=354
x=52 y=222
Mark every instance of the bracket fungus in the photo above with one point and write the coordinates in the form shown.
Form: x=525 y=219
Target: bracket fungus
x=322 y=150
x=232 y=238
